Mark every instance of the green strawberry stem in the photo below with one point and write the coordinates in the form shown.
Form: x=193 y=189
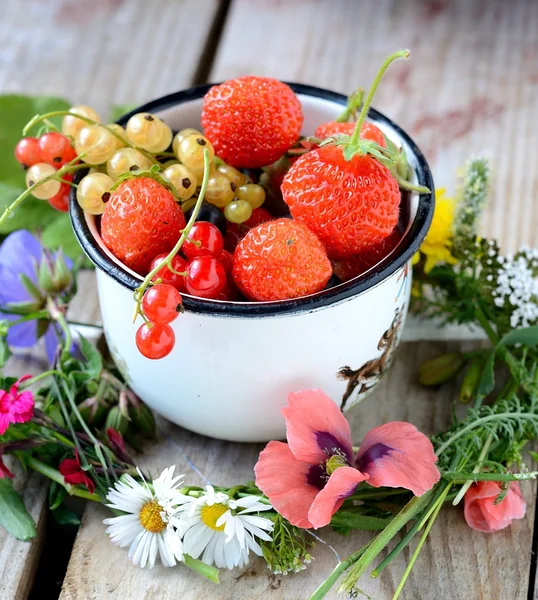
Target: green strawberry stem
x=407 y=185
x=353 y=103
x=139 y=292
x=65 y=113
x=68 y=168
x=366 y=106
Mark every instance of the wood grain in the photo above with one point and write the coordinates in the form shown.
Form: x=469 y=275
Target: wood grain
x=470 y=87
x=455 y=560
x=102 y=52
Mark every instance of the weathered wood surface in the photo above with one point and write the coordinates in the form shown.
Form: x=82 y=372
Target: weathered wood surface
x=455 y=563
x=102 y=52
x=470 y=86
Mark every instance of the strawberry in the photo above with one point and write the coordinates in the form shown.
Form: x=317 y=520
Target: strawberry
x=349 y=268
x=280 y=259
x=344 y=190
x=349 y=205
x=369 y=131
x=235 y=232
x=140 y=221
x=251 y=121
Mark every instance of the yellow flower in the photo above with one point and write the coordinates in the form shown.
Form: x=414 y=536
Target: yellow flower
x=437 y=244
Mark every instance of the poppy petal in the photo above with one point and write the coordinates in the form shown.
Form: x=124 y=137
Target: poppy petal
x=398 y=455
x=481 y=512
x=315 y=427
x=342 y=483
x=284 y=480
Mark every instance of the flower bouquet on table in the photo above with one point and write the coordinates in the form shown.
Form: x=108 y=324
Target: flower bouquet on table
x=69 y=422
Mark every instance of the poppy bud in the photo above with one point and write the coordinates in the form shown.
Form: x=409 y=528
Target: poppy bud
x=440 y=369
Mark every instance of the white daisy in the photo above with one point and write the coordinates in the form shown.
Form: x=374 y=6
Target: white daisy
x=149 y=525
x=221 y=530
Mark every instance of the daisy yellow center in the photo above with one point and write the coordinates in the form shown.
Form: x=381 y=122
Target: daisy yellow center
x=150 y=517
x=211 y=514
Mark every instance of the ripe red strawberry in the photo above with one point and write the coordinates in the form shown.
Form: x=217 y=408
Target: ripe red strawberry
x=141 y=220
x=369 y=131
x=348 y=268
x=235 y=232
x=280 y=259
x=349 y=205
x=251 y=121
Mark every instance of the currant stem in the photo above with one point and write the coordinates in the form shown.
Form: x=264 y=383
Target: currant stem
x=139 y=293
x=65 y=113
x=366 y=106
x=68 y=168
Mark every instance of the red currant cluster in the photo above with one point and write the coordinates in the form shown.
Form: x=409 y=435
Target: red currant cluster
x=42 y=157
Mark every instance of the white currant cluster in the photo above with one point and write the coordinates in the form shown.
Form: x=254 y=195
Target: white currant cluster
x=517 y=285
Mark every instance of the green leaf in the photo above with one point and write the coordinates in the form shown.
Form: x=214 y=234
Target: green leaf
x=64 y=516
x=528 y=336
x=58 y=234
x=33 y=214
x=94 y=362
x=15 y=112
x=118 y=110
x=5 y=352
x=14 y=517
x=345 y=519
x=57 y=494
x=487 y=380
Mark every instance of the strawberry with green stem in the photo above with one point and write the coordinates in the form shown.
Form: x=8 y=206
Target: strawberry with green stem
x=347 y=191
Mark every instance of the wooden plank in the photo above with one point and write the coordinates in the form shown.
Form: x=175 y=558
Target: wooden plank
x=469 y=88
x=102 y=52
x=469 y=564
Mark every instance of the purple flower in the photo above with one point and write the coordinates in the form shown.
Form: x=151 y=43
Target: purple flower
x=21 y=255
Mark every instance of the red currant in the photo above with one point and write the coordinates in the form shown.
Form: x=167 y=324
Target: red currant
x=178 y=263
x=155 y=341
x=161 y=303
x=56 y=149
x=206 y=277
x=27 y=152
x=227 y=260
x=210 y=238
x=230 y=291
x=61 y=200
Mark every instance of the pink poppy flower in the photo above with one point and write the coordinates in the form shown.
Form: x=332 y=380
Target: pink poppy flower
x=308 y=479
x=15 y=407
x=481 y=512
x=73 y=473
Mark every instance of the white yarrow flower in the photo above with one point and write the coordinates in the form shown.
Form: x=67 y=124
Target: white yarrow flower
x=221 y=530
x=149 y=525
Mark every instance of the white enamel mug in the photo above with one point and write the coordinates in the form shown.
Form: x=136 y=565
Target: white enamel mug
x=234 y=363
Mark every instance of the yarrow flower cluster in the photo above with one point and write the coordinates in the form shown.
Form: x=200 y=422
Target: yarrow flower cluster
x=159 y=519
x=517 y=285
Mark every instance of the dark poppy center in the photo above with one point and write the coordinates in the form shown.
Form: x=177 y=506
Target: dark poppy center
x=330 y=444
x=374 y=453
x=317 y=476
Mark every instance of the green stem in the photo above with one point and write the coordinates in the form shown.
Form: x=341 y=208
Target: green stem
x=484 y=322
x=419 y=523
x=419 y=547
x=139 y=293
x=407 y=185
x=65 y=113
x=202 y=568
x=457 y=478
x=410 y=510
x=326 y=586
x=56 y=476
x=366 y=106
x=68 y=168
x=43 y=314
x=478 y=466
x=59 y=317
x=377 y=494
